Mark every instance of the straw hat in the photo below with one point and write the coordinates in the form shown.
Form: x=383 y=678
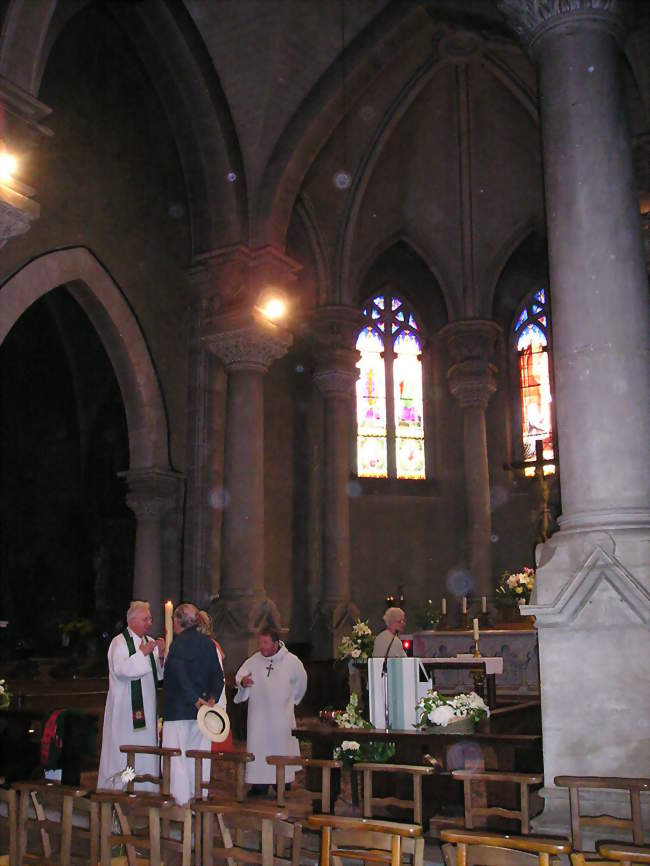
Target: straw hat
x=213 y=723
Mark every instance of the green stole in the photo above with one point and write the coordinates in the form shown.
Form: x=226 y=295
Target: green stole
x=137 y=703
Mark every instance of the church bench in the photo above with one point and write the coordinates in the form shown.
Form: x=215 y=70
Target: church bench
x=359 y=838
x=280 y=762
x=414 y=771
x=62 y=800
x=632 y=786
x=492 y=849
x=163 y=780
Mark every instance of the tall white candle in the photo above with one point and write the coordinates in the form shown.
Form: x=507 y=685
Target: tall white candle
x=443 y=607
x=475 y=623
x=483 y=604
x=464 y=607
x=169 y=627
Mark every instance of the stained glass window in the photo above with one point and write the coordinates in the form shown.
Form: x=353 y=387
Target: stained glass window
x=390 y=436
x=532 y=342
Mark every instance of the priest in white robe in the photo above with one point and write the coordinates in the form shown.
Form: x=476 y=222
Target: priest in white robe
x=135 y=664
x=273 y=681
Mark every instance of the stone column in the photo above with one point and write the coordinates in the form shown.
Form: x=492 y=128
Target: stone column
x=472 y=381
x=247 y=347
x=336 y=328
x=22 y=131
x=591 y=598
x=151 y=494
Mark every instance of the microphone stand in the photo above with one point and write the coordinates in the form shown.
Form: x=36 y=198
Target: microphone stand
x=384 y=675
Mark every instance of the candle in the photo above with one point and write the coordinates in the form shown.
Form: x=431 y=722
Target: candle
x=464 y=608
x=483 y=604
x=169 y=627
x=443 y=607
x=475 y=623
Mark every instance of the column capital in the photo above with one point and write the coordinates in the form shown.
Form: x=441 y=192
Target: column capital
x=532 y=20
x=247 y=341
x=233 y=277
x=471 y=344
x=151 y=492
x=335 y=329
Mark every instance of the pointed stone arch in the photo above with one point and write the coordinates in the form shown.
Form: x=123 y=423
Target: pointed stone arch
x=115 y=321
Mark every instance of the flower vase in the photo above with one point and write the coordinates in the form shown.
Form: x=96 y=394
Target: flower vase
x=510 y=615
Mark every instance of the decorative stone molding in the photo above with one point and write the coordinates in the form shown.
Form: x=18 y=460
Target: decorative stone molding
x=334 y=330
x=152 y=492
x=533 y=19
x=588 y=597
x=336 y=373
x=471 y=344
x=249 y=348
x=332 y=619
x=14 y=220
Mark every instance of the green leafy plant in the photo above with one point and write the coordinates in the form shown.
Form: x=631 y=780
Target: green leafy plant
x=427 y=617
x=353 y=752
x=5 y=695
x=351 y=716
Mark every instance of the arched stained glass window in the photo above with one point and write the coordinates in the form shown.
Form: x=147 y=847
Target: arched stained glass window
x=531 y=335
x=390 y=432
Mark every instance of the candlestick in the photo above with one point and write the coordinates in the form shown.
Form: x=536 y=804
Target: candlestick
x=475 y=624
x=169 y=626
x=443 y=607
x=464 y=604
x=483 y=604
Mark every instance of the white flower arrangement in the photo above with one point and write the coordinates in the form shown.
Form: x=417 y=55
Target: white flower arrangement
x=350 y=717
x=350 y=746
x=435 y=709
x=358 y=645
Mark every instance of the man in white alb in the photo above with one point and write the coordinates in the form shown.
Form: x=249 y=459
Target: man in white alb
x=273 y=681
x=135 y=664
x=387 y=642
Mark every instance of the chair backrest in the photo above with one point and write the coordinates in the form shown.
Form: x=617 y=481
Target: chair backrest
x=281 y=762
x=125 y=806
x=362 y=832
x=414 y=771
x=493 y=849
x=236 y=759
x=10 y=821
x=474 y=780
x=621 y=853
x=633 y=786
x=163 y=778
x=48 y=808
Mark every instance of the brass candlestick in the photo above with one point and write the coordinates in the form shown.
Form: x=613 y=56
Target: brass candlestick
x=478 y=675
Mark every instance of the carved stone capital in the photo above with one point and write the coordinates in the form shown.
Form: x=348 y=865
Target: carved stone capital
x=531 y=20
x=332 y=619
x=471 y=345
x=334 y=331
x=472 y=383
x=232 y=278
x=336 y=372
x=152 y=492
x=247 y=342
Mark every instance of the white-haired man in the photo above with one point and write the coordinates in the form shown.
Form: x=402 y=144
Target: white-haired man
x=387 y=642
x=135 y=664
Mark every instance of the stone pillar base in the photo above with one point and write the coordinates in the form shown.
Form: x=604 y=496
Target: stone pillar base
x=332 y=620
x=237 y=621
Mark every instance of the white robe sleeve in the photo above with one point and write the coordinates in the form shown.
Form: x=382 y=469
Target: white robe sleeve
x=298 y=681
x=242 y=691
x=124 y=666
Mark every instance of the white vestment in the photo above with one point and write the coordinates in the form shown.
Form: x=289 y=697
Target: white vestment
x=118 y=715
x=280 y=682
x=383 y=641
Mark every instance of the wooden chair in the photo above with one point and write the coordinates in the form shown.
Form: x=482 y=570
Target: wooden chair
x=140 y=808
x=281 y=762
x=163 y=779
x=476 y=809
x=362 y=834
x=237 y=759
x=62 y=801
x=634 y=787
x=266 y=818
x=415 y=772
x=491 y=849
x=10 y=821
x=619 y=852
